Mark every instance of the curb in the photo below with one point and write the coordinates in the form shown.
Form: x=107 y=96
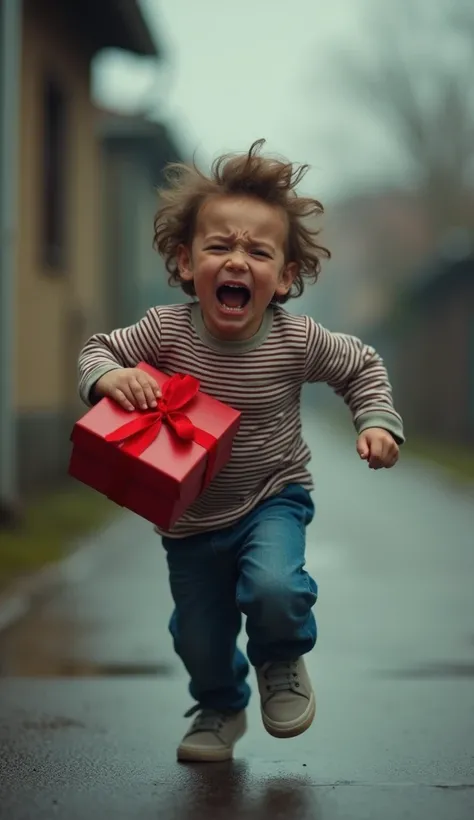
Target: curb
x=20 y=598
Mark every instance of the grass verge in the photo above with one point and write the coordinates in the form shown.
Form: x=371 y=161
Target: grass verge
x=457 y=461
x=50 y=525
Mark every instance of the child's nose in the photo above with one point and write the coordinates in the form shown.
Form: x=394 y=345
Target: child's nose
x=237 y=261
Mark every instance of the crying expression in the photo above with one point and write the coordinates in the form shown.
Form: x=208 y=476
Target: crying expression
x=237 y=263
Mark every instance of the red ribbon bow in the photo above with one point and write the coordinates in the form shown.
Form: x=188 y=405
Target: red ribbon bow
x=135 y=436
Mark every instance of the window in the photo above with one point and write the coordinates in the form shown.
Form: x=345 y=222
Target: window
x=53 y=203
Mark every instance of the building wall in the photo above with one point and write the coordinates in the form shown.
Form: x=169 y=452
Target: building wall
x=55 y=306
x=136 y=275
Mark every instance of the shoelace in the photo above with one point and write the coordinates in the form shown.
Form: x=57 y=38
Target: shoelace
x=207 y=720
x=282 y=676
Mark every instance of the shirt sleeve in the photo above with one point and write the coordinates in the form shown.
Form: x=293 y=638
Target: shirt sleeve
x=125 y=347
x=356 y=372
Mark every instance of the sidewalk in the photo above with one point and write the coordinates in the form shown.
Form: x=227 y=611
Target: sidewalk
x=82 y=615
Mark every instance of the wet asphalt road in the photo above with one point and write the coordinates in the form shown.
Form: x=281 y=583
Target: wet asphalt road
x=92 y=697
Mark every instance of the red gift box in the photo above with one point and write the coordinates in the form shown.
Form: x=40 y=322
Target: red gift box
x=155 y=463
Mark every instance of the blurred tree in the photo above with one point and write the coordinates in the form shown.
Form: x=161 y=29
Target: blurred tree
x=416 y=77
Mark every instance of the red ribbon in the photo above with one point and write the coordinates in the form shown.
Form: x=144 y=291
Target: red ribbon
x=135 y=436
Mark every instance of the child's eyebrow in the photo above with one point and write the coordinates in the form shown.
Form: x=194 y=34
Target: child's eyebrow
x=249 y=240
x=218 y=237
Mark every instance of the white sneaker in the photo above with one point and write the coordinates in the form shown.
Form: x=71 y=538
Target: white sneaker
x=288 y=704
x=212 y=735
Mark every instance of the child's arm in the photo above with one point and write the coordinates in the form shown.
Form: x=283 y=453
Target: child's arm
x=356 y=372
x=123 y=348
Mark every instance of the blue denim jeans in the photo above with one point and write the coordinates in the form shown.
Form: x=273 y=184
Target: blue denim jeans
x=253 y=568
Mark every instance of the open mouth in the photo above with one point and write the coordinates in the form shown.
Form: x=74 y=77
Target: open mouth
x=233 y=297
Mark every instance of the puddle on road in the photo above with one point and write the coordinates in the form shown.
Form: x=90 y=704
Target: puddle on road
x=433 y=671
x=40 y=666
x=88 y=669
x=58 y=648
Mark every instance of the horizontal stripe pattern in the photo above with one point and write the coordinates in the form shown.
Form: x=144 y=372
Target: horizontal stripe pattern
x=264 y=383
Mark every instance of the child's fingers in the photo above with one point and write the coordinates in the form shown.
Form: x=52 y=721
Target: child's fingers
x=390 y=455
x=376 y=454
x=150 y=389
x=363 y=447
x=124 y=399
x=394 y=454
x=138 y=392
x=154 y=386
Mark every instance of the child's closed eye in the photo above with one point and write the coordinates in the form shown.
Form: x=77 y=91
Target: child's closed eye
x=260 y=252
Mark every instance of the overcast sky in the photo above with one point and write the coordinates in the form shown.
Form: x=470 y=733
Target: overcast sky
x=236 y=71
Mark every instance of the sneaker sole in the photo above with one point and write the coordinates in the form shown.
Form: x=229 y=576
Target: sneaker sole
x=292 y=728
x=199 y=754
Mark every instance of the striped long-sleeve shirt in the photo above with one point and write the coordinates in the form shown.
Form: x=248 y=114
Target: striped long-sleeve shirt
x=263 y=378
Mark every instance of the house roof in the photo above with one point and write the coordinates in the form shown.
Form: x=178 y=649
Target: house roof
x=115 y=24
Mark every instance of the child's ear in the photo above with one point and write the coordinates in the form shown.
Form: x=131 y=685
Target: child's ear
x=287 y=278
x=184 y=263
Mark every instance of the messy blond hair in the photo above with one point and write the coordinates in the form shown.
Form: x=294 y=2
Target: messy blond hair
x=270 y=180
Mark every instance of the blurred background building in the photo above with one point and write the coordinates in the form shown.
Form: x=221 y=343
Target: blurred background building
x=78 y=197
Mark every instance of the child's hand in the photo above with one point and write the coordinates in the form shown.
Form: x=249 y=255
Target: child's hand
x=130 y=387
x=378 y=448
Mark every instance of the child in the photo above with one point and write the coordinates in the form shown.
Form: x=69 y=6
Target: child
x=238 y=242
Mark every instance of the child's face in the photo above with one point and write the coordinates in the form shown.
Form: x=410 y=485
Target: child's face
x=237 y=263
